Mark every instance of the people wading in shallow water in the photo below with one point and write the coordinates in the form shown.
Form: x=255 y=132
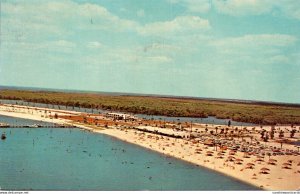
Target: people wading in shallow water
x=3 y=136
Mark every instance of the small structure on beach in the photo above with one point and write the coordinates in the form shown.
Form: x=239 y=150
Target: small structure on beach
x=121 y=116
x=209 y=142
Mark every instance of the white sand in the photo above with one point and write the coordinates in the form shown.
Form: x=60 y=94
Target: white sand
x=277 y=179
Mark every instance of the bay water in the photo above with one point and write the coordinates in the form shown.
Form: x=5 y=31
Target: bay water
x=72 y=159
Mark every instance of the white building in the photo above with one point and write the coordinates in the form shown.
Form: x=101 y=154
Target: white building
x=120 y=116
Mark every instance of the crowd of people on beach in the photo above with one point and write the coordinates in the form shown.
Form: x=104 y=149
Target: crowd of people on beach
x=234 y=150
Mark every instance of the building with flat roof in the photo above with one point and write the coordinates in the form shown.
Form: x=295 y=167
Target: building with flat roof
x=121 y=116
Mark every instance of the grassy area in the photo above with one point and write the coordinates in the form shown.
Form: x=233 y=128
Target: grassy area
x=244 y=112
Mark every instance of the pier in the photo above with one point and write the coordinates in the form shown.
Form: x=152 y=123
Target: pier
x=4 y=125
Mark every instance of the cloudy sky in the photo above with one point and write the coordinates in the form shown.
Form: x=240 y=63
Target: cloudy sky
x=242 y=49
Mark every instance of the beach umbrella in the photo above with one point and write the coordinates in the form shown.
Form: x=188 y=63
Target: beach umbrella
x=223 y=148
x=290 y=161
x=272 y=160
x=238 y=161
x=250 y=164
x=286 y=164
x=286 y=167
x=259 y=160
x=264 y=169
x=231 y=158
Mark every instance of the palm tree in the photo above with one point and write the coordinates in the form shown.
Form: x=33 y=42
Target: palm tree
x=272 y=133
x=231 y=133
x=262 y=133
x=222 y=131
x=266 y=138
x=251 y=137
x=240 y=134
x=281 y=134
x=293 y=131
x=236 y=129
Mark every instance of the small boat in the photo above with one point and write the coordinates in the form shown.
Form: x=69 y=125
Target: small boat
x=3 y=136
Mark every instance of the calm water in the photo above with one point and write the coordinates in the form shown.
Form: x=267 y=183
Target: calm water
x=19 y=121
x=71 y=159
x=209 y=120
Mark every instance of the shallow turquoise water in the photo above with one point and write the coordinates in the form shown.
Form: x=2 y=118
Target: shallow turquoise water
x=71 y=159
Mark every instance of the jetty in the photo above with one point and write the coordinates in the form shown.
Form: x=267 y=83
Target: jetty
x=4 y=125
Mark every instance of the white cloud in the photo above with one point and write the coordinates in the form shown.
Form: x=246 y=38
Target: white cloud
x=257 y=40
x=64 y=43
x=287 y=8
x=31 y=48
x=160 y=47
x=156 y=59
x=278 y=59
x=128 y=58
x=258 y=49
x=34 y=20
x=183 y=40
x=198 y=6
x=244 y=7
x=140 y=13
x=94 y=44
x=181 y=24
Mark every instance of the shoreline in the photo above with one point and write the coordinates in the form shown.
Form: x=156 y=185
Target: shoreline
x=184 y=151
x=186 y=161
x=178 y=158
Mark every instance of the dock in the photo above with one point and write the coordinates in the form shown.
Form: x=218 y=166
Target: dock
x=36 y=126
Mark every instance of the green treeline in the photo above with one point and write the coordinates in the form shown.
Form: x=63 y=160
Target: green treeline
x=243 y=112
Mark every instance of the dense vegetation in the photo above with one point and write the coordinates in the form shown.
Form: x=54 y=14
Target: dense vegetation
x=244 y=112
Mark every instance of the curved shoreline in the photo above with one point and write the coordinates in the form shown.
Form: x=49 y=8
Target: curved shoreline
x=122 y=137
x=168 y=155
x=185 y=151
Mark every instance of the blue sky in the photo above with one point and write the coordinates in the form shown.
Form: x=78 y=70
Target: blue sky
x=241 y=49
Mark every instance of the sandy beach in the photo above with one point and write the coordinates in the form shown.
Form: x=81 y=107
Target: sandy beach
x=268 y=172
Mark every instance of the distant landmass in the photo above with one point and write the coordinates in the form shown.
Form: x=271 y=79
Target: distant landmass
x=242 y=101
